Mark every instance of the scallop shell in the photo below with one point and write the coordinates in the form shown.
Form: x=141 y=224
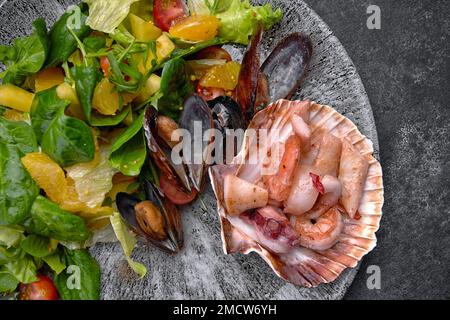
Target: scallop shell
x=302 y=266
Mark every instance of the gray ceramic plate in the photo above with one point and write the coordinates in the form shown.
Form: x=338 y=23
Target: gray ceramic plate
x=201 y=270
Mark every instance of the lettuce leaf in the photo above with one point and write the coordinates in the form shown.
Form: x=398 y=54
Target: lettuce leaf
x=128 y=242
x=93 y=180
x=10 y=236
x=240 y=20
x=23 y=269
x=107 y=15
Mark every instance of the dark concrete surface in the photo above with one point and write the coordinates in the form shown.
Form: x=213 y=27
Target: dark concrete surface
x=405 y=70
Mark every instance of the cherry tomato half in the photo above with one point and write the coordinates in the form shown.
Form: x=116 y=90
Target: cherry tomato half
x=104 y=64
x=174 y=194
x=165 y=12
x=43 y=289
x=209 y=93
x=213 y=52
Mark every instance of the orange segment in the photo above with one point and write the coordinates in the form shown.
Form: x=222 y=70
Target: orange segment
x=222 y=76
x=196 y=28
x=47 y=174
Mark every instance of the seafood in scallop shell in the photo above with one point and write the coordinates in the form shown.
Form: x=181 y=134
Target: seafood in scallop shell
x=300 y=265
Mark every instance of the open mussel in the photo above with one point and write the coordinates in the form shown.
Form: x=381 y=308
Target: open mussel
x=286 y=66
x=155 y=220
x=280 y=75
x=160 y=151
x=228 y=118
x=197 y=120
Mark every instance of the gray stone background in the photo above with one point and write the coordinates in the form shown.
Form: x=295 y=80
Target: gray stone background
x=405 y=70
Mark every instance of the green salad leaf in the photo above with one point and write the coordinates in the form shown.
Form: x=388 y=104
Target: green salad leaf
x=109 y=121
x=23 y=269
x=18 y=133
x=81 y=279
x=49 y=220
x=62 y=40
x=26 y=56
x=68 y=140
x=10 y=236
x=55 y=262
x=37 y=246
x=93 y=182
x=128 y=152
x=128 y=242
x=175 y=87
x=86 y=78
x=44 y=108
x=17 y=188
x=107 y=15
x=239 y=19
x=8 y=283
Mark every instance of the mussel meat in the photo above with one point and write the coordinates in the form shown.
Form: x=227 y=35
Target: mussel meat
x=155 y=220
x=197 y=119
x=227 y=116
x=161 y=152
x=286 y=66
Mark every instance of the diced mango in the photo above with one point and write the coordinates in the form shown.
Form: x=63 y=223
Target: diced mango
x=164 y=47
x=67 y=92
x=15 y=98
x=48 y=78
x=106 y=98
x=144 y=31
x=151 y=87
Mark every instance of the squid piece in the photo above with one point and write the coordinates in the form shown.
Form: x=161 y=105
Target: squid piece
x=279 y=185
x=327 y=160
x=240 y=195
x=321 y=233
x=352 y=174
x=333 y=191
x=303 y=194
x=303 y=131
x=273 y=229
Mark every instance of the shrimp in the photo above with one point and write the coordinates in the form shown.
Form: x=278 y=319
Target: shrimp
x=352 y=174
x=279 y=185
x=327 y=160
x=321 y=233
x=273 y=229
x=333 y=191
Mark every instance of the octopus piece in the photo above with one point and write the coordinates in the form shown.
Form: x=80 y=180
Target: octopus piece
x=273 y=229
x=332 y=192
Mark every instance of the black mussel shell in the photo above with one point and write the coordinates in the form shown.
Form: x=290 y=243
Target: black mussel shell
x=196 y=118
x=172 y=218
x=287 y=65
x=161 y=152
x=245 y=93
